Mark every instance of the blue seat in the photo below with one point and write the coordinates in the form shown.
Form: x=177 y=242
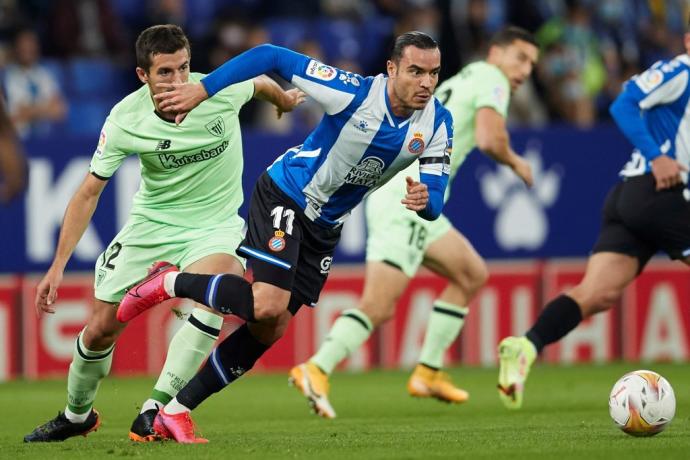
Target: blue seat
x=95 y=77
x=86 y=117
x=287 y=32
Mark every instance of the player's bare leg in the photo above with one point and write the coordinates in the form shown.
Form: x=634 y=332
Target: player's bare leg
x=453 y=257
x=91 y=361
x=383 y=287
x=606 y=276
x=188 y=348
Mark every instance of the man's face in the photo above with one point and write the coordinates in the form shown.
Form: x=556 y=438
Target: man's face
x=415 y=76
x=26 y=48
x=516 y=61
x=166 y=68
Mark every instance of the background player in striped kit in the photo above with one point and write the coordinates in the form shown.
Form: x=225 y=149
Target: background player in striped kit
x=374 y=127
x=399 y=242
x=185 y=211
x=647 y=212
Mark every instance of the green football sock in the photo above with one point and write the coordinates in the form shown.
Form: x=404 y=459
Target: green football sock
x=348 y=333
x=187 y=351
x=86 y=371
x=444 y=325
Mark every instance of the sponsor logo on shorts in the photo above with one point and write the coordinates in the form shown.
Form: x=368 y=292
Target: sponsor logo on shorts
x=321 y=71
x=170 y=161
x=100 y=276
x=326 y=265
x=216 y=127
x=277 y=243
x=416 y=144
x=366 y=173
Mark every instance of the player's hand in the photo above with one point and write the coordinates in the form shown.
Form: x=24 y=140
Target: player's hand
x=417 y=195
x=46 y=292
x=523 y=170
x=291 y=99
x=180 y=98
x=667 y=172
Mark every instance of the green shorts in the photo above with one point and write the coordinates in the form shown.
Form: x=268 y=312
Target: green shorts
x=139 y=244
x=397 y=235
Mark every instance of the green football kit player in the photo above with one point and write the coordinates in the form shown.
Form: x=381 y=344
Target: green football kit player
x=185 y=211
x=399 y=242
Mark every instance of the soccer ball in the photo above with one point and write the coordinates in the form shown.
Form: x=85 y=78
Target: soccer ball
x=642 y=403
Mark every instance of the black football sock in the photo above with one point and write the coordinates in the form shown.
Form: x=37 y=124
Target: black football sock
x=225 y=293
x=558 y=317
x=230 y=360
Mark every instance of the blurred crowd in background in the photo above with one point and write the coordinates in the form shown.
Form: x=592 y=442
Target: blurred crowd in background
x=64 y=63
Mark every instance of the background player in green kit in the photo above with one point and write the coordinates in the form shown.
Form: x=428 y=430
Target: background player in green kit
x=185 y=211
x=399 y=242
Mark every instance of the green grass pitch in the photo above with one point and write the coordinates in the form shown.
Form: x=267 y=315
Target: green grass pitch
x=565 y=416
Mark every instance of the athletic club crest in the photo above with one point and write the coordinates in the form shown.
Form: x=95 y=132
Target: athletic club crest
x=416 y=144
x=277 y=243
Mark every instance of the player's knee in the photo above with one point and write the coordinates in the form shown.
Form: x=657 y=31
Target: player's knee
x=471 y=278
x=100 y=335
x=268 y=331
x=478 y=275
x=268 y=309
x=593 y=301
x=378 y=313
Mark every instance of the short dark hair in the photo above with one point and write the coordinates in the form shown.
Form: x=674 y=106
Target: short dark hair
x=415 y=38
x=160 y=39
x=509 y=34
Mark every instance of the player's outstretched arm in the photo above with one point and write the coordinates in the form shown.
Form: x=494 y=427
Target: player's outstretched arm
x=77 y=216
x=493 y=139
x=180 y=98
x=266 y=89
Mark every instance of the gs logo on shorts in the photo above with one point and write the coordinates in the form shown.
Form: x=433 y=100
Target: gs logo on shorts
x=326 y=265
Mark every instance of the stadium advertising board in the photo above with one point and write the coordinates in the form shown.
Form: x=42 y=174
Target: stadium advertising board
x=652 y=325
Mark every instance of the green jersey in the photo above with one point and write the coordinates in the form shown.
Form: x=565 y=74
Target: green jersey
x=477 y=85
x=191 y=174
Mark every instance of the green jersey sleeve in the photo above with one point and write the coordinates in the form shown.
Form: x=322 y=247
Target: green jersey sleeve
x=492 y=90
x=114 y=145
x=238 y=94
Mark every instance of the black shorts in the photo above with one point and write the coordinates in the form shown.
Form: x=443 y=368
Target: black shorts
x=640 y=221
x=284 y=247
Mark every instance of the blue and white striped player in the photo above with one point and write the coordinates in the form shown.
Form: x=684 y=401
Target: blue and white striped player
x=647 y=212
x=373 y=128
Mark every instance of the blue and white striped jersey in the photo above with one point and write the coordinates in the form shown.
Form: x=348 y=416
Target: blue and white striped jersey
x=653 y=113
x=358 y=145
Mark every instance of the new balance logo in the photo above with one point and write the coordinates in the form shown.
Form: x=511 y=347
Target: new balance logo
x=163 y=144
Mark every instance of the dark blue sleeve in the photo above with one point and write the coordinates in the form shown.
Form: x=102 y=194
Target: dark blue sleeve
x=627 y=114
x=437 y=188
x=252 y=63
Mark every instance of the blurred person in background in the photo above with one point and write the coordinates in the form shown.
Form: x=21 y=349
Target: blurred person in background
x=399 y=242
x=85 y=28
x=12 y=162
x=572 y=68
x=33 y=96
x=647 y=211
